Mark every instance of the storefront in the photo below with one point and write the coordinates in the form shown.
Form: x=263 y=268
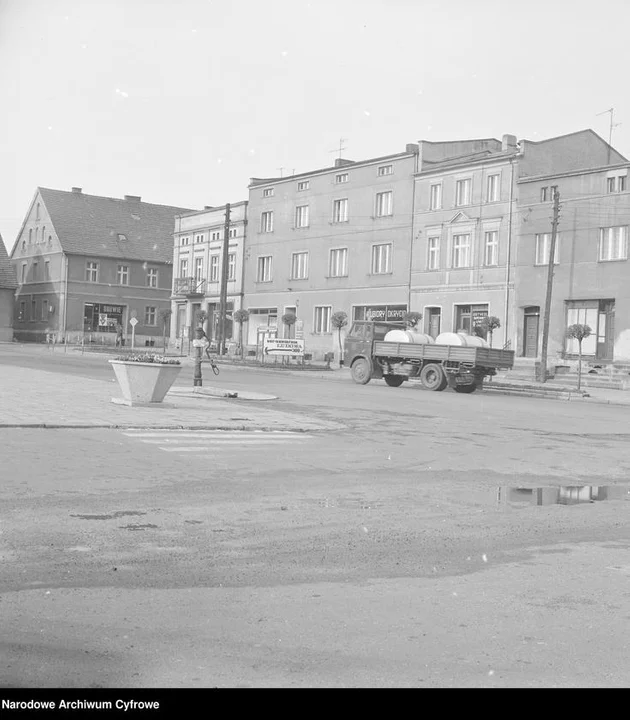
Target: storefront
x=102 y=318
x=387 y=313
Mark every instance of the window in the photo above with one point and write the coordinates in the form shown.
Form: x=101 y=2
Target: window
x=613 y=243
x=433 y=253
x=461 y=251
x=491 y=248
x=621 y=183
x=492 y=191
x=610 y=184
x=299 y=266
x=33 y=310
x=23 y=277
x=264 y=268
x=462 y=192
x=37 y=212
x=185 y=240
x=35 y=271
x=385 y=170
x=46 y=269
x=232 y=266
x=216 y=235
x=30 y=236
x=149 y=315
x=23 y=245
x=303 y=185
x=123 y=275
x=301 y=216
x=233 y=232
x=338 y=262
x=44 y=309
x=544 y=194
x=22 y=314
x=554 y=190
x=543 y=246
x=214 y=268
x=616 y=184
x=340 y=210
x=381 y=259
x=44 y=232
x=91 y=272
x=50 y=239
x=268 y=192
x=341 y=178
x=384 y=203
x=321 y=324
x=183 y=267
x=198 y=269
x=198 y=239
x=266 y=222
x=435 y=202
x=152 y=277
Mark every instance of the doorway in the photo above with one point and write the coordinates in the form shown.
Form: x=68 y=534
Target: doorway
x=531 y=327
x=606 y=330
x=433 y=321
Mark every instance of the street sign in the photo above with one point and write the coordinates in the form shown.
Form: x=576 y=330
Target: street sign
x=277 y=346
x=133 y=322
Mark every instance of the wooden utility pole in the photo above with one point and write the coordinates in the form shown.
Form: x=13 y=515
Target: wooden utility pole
x=224 y=281
x=552 y=252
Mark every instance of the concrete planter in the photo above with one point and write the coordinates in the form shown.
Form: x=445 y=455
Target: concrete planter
x=143 y=383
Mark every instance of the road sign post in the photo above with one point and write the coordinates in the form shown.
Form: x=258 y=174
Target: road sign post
x=133 y=322
x=283 y=346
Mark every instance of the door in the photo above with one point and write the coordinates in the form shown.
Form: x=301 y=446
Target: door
x=530 y=333
x=181 y=321
x=434 y=322
x=606 y=330
x=463 y=319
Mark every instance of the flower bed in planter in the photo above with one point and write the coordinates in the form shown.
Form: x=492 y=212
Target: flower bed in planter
x=144 y=379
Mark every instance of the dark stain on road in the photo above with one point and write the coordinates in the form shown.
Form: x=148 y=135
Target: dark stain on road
x=148 y=526
x=113 y=516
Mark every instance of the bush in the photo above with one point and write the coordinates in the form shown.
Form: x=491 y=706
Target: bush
x=149 y=358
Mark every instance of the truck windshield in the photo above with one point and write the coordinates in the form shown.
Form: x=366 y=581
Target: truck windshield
x=380 y=330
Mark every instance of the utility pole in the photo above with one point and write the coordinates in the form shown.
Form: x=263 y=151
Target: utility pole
x=224 y=281
x=552 y=252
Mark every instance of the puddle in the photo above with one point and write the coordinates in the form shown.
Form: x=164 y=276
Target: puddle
x=113 y=516
x=562 y=495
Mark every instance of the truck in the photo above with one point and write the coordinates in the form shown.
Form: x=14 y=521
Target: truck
x=370 y=356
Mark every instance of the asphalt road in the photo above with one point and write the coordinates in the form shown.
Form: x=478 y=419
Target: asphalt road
x=382 y=556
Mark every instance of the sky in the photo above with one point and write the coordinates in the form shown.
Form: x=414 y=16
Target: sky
x=183 y=101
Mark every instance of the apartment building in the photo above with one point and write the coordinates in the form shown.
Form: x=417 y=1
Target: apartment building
x=8 y=286
x=198 y=264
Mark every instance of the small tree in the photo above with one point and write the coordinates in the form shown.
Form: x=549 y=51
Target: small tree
x=241 y=317
x=165 y=314
x=289 y=319
x=579 y=332
x=489 y=324
x=411 y=318
x=201 y=316
x=339 y=320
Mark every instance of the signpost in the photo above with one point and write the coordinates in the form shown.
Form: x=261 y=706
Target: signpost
x=278 y=346
x=133 y=322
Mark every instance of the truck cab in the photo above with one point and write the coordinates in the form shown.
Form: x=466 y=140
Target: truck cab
x=358 y=342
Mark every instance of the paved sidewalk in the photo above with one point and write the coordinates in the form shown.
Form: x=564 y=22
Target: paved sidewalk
x=35 y=398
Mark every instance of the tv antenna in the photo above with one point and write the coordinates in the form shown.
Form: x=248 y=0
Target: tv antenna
x=341 y=147
x=613 y=125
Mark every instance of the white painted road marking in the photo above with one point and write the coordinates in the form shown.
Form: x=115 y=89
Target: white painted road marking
x=200 y=440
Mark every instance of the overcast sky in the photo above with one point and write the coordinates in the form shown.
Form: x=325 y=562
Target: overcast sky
x=183 y=101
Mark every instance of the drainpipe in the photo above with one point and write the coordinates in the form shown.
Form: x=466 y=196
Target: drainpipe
x=65 y=302
x=509 y=255
x=413 y=218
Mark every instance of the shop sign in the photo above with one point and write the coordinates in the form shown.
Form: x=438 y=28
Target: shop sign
x=386 y=313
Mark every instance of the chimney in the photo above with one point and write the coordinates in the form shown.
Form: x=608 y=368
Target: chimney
x=508 y=142
x=412 y=148
x=207 y=207
x=341 y=162
x=77 y=190
x=133 y=197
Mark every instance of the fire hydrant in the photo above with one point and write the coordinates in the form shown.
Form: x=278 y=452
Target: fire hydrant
x=199 y=344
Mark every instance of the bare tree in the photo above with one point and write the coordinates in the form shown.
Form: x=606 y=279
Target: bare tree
x=579 y=332
x=339 y=320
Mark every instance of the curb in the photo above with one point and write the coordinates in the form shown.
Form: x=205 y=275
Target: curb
x=135 y=426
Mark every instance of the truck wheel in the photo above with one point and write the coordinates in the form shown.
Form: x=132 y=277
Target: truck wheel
x=433 y=378
x=466 y=388
x=361 y=371
x=394 y=380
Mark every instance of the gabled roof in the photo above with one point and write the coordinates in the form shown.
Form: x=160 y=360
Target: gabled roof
x=108 y=227
x=8 y=277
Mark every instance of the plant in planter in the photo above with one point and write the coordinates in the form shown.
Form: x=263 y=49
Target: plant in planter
x=339 y=320
x=489 y=324
x=241 y=317
x=579 y=332
x=144 y=378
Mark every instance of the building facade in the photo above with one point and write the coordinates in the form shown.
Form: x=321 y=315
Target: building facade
x=591 y=273
x=8 y=286
x=336 y=239
x=198 y=264
x=463 y=235
x=86 y=265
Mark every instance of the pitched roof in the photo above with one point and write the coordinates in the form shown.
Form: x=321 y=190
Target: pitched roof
x=8 y=277
x=109 y=227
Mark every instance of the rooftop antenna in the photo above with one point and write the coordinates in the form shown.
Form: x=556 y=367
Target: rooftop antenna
x=613 y=125
x=341 y=147
x=281 y=169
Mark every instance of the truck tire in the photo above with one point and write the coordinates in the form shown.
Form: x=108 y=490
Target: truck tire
x=466 y=388
x=361 y=371
x=394 y=380
x=432 y=377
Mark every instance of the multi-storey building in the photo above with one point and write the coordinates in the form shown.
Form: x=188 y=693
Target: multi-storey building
x=591 y=279
x=8 y=286
x=463 y=234
x=198 y=263
x=86 y=265
x=335 y=239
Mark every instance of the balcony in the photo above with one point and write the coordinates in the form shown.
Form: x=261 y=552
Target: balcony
x=189 y=286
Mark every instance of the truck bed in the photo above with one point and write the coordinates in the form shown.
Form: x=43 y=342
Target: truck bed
x=485 y=357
